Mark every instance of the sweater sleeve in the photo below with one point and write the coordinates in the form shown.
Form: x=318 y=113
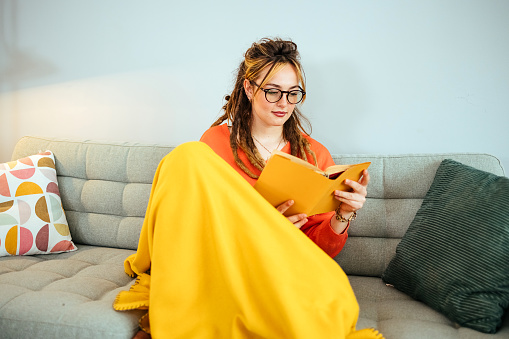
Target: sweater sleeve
x=319 y=230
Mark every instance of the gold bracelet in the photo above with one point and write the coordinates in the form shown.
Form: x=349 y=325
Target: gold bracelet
x=341 y=218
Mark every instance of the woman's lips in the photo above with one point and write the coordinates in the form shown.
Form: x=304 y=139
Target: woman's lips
x=279 y=114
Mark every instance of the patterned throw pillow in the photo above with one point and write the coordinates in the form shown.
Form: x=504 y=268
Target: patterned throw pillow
x=455 y=254
x=32 y=220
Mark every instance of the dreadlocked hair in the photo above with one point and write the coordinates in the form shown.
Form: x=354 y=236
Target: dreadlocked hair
x=275 y=53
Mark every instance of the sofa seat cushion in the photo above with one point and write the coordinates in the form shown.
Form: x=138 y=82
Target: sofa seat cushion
x=65 y=295
x=398 y=316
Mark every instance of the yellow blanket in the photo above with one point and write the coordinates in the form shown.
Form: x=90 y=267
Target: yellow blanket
x=224 y=263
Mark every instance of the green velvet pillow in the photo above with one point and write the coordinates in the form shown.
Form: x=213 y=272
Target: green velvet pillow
x=455 y=255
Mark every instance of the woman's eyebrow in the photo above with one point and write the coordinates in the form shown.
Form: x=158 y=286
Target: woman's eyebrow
x=277 y=86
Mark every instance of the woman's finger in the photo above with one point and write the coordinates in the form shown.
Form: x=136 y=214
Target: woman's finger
x=285 y=206
x=349 y=196
x=354 y=200
x=298 y=220
x=357 y=187
x=365 y=178
x=300 y=223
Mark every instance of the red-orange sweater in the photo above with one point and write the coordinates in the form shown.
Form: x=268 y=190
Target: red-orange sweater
x=318 y=227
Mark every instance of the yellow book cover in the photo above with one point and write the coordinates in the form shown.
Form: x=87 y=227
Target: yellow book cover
x=286 y=177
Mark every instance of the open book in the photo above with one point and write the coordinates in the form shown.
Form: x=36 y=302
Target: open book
x=286 y=177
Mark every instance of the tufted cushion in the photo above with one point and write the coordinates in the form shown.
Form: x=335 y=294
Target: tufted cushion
x=104 y=186
x=397 y=315
x=74 y=289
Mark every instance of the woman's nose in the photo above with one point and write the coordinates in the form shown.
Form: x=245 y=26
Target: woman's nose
x=283 y=101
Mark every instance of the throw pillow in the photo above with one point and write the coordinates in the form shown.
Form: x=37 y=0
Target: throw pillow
x=455 y=255
x=32 y=220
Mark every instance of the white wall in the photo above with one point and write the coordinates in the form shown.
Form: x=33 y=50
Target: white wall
x=383 y=76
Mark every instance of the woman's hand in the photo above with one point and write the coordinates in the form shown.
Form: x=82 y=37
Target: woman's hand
x=353 y=201
x=350 y=201
x=298 y=220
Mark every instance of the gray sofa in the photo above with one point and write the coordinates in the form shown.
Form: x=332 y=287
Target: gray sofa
x=105 y=189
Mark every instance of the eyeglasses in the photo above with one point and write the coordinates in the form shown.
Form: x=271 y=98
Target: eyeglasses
x=273 y=95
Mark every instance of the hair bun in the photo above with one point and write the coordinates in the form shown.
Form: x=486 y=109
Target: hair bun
x=273 y=49
x=284 y=47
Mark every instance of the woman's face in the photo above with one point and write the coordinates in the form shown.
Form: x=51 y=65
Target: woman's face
x=266 y=114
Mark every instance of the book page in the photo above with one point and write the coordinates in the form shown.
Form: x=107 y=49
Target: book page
x=298 y=161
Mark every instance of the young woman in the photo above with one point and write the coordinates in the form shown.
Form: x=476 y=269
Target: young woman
x=214 y=259
x=264 y=116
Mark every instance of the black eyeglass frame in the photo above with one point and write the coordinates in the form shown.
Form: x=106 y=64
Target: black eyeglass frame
x=281 y=94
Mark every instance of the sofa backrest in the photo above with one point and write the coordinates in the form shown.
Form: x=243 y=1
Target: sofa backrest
x=105 y=189
x=397 y=188
x=104 y=186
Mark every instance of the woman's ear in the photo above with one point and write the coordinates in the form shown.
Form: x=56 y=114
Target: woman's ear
x=248 y=89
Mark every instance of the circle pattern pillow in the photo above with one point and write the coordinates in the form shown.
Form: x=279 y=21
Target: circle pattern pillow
x=32 y=220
